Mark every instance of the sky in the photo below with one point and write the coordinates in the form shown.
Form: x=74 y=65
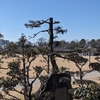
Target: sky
x=80 y=17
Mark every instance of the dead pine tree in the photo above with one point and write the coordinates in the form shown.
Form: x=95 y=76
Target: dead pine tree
x=50 y=31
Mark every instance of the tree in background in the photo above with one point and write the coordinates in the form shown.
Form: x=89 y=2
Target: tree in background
x=50 y=31
x=73 y=45
x=41 y=42
x=98 y=43
x=20 y=70
x=1 y=36
x=82 y=43
x=90 y=90
x=79 y=62
x=92 y=43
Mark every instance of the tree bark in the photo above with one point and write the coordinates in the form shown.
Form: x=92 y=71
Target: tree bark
x=52 y=58
x=24 y=73
x=81 y=82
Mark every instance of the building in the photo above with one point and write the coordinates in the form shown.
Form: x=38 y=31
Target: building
x=3 y=43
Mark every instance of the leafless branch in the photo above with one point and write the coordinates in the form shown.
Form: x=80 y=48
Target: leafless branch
x=13 y=96
x=3 y=68
x=87 y=71
x=18 y=91
x=32 y=85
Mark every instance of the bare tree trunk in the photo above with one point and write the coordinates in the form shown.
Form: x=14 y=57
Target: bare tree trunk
x=81 y=82
x=52 y=58
x=24 y=73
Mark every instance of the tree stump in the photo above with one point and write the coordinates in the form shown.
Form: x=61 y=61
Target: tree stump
x=59 y=84
x=61 y=94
